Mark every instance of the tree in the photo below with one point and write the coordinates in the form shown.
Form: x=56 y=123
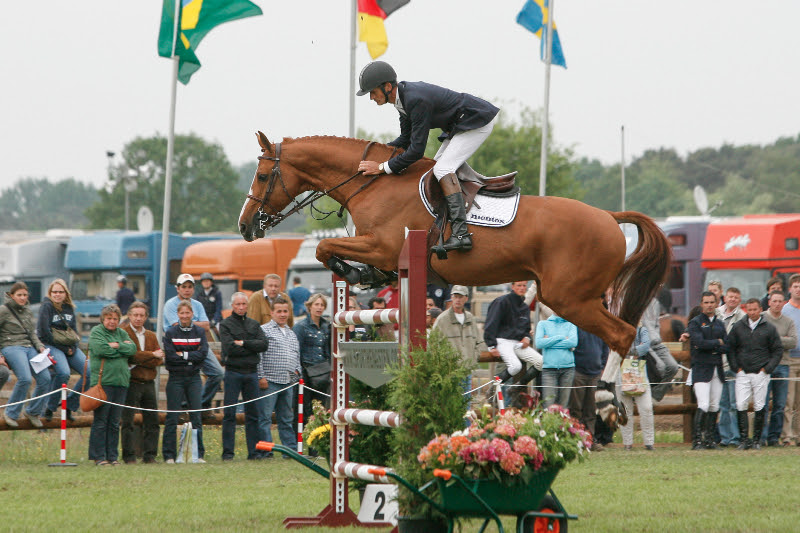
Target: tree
x=36 y=204
x=204 y=194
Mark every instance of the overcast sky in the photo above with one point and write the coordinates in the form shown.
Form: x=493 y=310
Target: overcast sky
x=83 y=77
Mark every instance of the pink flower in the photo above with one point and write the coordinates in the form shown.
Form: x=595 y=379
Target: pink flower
x=500 y=447
x=512 y=462
x=526 y=445
x=506 y=430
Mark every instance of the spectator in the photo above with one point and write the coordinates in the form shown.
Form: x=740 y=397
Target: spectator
x=58 y=313
x=109 y=350
x=507 y=333
x=779 y=384
x=356 y=332
x=278 y=370
x=557 y=339
x=774 y=284
x=259 y=308
x=185 y=349
x=210 y=366
x=460 y=328
x=591 y=354
x=791 y=418
x=5 y=373
x=299 y=295
x=379 y=332
x=644 y=402
x=429 y=303
x=666 y=364
x=715 y=288
x=755 y=351
x=125 y=296
x=707 y=338
x=431 y=315
x=19 y=344
x=242 y=342
x=440 y=295
x=210 y=297
x=314 y=337
x=730 y=313
x=391 y=295
x=142 y=388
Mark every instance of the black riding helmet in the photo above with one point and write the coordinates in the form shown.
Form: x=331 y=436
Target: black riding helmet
x=374 y=75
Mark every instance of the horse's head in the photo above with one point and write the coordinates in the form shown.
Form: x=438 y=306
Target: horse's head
x=270 y=192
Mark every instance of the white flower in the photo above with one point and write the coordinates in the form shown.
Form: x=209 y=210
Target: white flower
x=556 y=436
x=462 y=433
x=560 y=454
x=542 y=433
x=536 y=421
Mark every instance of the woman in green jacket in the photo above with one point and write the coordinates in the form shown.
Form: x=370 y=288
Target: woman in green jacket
x=109 y=347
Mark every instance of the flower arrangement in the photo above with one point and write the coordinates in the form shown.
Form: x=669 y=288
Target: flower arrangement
x=511 y=447
x=317 y=431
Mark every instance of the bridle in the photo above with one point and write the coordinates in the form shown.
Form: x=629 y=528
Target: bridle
x=267 y=221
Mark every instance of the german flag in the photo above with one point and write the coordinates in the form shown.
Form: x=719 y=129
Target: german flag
x=371 y=14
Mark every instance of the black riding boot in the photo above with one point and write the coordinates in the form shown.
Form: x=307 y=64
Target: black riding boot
x=460 y=239
x=711 y=425
x=699 y=429
x=758 y=427
x=744 y=442
x=529 y=376
x=504 y=376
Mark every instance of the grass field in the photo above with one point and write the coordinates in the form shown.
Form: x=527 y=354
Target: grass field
x=670 y=489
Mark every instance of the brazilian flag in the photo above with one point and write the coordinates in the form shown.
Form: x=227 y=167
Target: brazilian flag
x=196 y=19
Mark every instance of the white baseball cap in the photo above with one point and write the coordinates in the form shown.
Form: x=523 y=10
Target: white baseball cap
x=183 y=278
x=459 y=289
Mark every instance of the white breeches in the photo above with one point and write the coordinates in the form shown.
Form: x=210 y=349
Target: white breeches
x=460 y=147
x=708 y=394
x=513 y=353
x=751 y=386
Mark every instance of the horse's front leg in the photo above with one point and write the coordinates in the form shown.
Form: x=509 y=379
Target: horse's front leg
x=364 y=249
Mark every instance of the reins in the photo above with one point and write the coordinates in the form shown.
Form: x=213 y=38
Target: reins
x=276 y=176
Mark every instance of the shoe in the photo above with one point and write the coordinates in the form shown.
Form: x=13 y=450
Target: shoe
x=115 y=463
x=772 y=443
x=150 y=461
x=741 y=419
x=225 y=458
x=628 y=447
x=597 y=447
x=201 y=461
x=130 y=461
x=170 y=461
x=69 y=416
x=708 y=430
x=10 y=422
x=699 y=425
x=35 y=422
x=758 y=427
x=102 y=463
x=48 y=415
x=460 y=238
x=649 y=447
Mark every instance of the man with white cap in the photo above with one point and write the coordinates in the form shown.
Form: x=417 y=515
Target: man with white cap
x=211 y=367
x=461 y=328
x=125 y=296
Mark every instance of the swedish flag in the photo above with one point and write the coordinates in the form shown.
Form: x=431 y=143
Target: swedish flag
x=196 y=19
x=533 y=17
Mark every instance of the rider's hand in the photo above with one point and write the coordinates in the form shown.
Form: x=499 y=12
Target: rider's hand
x=369 y=168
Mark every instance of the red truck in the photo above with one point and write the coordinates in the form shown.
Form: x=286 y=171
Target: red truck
x=745 y=252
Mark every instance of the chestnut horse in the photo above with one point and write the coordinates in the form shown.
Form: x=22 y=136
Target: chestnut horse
x=572 y=250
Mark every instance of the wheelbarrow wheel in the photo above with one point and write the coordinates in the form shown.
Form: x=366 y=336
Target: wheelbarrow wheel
x=540 y=524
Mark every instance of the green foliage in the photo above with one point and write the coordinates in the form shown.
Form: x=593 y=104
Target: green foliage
x=427 y=392
x=370 y=444
x=204 y=194
x=36 y=204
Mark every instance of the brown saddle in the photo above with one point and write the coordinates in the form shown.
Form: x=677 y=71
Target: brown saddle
x=471 y=184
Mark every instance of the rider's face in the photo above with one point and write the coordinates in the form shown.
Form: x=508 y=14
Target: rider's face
x=377 y=94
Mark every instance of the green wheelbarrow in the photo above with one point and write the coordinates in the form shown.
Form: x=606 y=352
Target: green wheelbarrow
x=535 y=505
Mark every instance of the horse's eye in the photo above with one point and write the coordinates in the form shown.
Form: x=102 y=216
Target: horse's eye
x=262 y=177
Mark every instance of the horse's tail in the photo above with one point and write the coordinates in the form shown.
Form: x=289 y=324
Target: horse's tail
x=643 y=273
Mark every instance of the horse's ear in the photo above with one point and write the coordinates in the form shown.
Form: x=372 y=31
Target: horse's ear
x=264 y=142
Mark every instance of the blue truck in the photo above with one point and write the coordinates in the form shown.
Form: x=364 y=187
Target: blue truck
x=96 y=260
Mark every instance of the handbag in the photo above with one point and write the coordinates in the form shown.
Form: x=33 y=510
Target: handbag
x=94 y=396
x=319 y=375
x=634 y=376
x=65 y=337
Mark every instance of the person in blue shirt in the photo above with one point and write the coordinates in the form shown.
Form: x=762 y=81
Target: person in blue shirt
x=169 y=316
x=557 y=339
x=299 y=295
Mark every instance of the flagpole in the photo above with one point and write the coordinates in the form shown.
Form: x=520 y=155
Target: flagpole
x=546 y=120
x=351 y=126
x=162 y=270
x=622 y=164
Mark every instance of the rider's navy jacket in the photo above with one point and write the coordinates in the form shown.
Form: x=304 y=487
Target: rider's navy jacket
x=428 y=106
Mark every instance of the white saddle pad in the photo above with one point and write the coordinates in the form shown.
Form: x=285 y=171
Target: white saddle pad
x=485 y=211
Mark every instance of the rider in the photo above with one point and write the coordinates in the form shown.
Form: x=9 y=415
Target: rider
x=466 y=121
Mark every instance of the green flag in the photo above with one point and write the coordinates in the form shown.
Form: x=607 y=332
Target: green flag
x=196 y=18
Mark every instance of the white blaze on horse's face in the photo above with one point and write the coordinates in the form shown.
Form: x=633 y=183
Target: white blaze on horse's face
x=250 y=193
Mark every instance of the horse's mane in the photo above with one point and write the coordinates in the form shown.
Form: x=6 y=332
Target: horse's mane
x=289 y=140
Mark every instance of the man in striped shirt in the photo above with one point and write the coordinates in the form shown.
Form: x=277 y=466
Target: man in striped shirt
x=278 y=369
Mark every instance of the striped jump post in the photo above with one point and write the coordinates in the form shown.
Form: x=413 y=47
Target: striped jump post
x=63 y=461
x=412 y=284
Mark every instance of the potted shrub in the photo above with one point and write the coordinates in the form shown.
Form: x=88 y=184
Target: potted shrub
x=427 y=391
